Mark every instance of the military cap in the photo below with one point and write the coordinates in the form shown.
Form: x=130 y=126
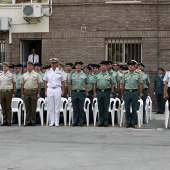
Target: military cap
x=115 y=63
x=160 y=69
x=5 y=63
x=54 y=60
x=103 y=62
x=69 y=64
x=91 y=65
x=25 y=65
x=141 y=64
x=87 y=67
x=11 y=65
x=17 y=65
x=78 y=62
x=37 y=64
x=135 y=61
x=45 y=67
x=109 y=62
x=30 y=62
x=131 y=63
x=96 y=65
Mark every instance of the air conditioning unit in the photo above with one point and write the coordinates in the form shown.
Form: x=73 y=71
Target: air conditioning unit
x=31 y=10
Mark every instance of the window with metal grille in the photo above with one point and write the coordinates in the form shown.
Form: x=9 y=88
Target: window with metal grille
x=123 y=50
x=2 y=51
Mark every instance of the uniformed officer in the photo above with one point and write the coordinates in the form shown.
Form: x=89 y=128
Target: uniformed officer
x=37 y=68
x=78 y=89
x=159 y=91
x=117 y=78
x=30 y=90
x=146 y=87
x=131 y=91
x=96 y=68
x=11 y=68
x=7 y=91
x=45 y=68
x=54 y=89
x=18 y=76
x=103 y=89
x=166 y=80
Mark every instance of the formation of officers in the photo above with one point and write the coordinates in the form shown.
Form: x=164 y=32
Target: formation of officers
x=104 y=81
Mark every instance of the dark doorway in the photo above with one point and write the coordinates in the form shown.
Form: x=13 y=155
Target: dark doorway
x=27 y=46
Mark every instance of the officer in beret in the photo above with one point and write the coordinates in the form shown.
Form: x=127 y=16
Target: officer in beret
x=7 y=91
x=78 y=89
x=37 y=68
x=146 y=87
x=30 y=91
x=54 y=89
x=131 y=91
x=103 y=89
x=159 y=90
x=117 y=78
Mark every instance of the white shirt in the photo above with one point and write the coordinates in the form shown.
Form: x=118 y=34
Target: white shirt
x=54 y=78
x=35 y=56
x=167 y=78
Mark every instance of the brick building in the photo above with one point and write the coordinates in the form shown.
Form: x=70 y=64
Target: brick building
x=93 y=30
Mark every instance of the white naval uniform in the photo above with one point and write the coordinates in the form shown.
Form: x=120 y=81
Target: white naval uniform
x=167 y=78
x=33 y=58
x=54 y=82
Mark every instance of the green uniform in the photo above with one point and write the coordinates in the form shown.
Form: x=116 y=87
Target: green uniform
x=42 y=85
x=117 y=78
x=104 y=82
x=78 y=95
x=131 y=83
x=18 y=84
x=146 y=81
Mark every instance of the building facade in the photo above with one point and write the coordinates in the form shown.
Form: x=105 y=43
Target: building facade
x=90 y=31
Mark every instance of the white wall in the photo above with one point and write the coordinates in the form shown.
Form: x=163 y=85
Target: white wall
x=19 y=25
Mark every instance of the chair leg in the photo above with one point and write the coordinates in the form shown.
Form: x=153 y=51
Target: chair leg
x=19 y=118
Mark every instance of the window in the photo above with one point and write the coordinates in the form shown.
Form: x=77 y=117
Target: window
x=22 y=1
x=2 y=51
x=122 y=50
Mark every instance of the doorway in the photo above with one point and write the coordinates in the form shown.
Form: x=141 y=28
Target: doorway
x=27 y=46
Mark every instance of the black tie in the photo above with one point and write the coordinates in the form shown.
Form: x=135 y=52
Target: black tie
x=33 y=58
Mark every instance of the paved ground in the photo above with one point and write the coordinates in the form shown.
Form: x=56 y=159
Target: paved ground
x=85 y=148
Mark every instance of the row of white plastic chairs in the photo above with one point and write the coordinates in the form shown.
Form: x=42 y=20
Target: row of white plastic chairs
x=116 y=107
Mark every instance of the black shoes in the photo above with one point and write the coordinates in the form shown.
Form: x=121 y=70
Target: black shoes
x=75 y=124
x=9 y=124
x=128 y=126
x=100 y=124
x=4 y=124
x=81 y=125
x=105 y=125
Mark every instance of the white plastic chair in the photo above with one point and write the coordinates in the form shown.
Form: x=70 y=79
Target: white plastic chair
x=86 y=109
x=139 y=113
x=150 y=107
x=122 y=113
x=16 y=105
x=63 y=108
x=39 y=109
x=147 y=110
x=117 y=108
x=70 y=108
x=95 y=110
x=112 y=109
x=166 y=113
x=46 y=108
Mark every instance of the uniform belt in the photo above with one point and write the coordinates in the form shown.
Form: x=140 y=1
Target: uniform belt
x=79 y=90
x=29 y=89
x=131 y=90
x=145 y=89
x=5 y=90
x=103 y=90
x=53 y=87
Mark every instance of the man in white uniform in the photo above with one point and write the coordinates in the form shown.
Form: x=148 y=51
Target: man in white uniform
x=33 y=57
x=54 y=89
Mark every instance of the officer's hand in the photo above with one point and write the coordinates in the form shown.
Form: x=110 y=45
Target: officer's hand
x=111 y=95
x=140 y=97
x=94 y=95
x=87 y=94
x=166 y=96
x=117 y=94
x=62 y=94
x=68 y=95
x=22 y=96
x=122 y=98
x=148 y=93
x=38 y=96
x=45 y=94
x=13 y=95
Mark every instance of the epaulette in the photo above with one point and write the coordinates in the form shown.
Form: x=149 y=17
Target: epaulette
x=126 y=72
x=137 y=72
